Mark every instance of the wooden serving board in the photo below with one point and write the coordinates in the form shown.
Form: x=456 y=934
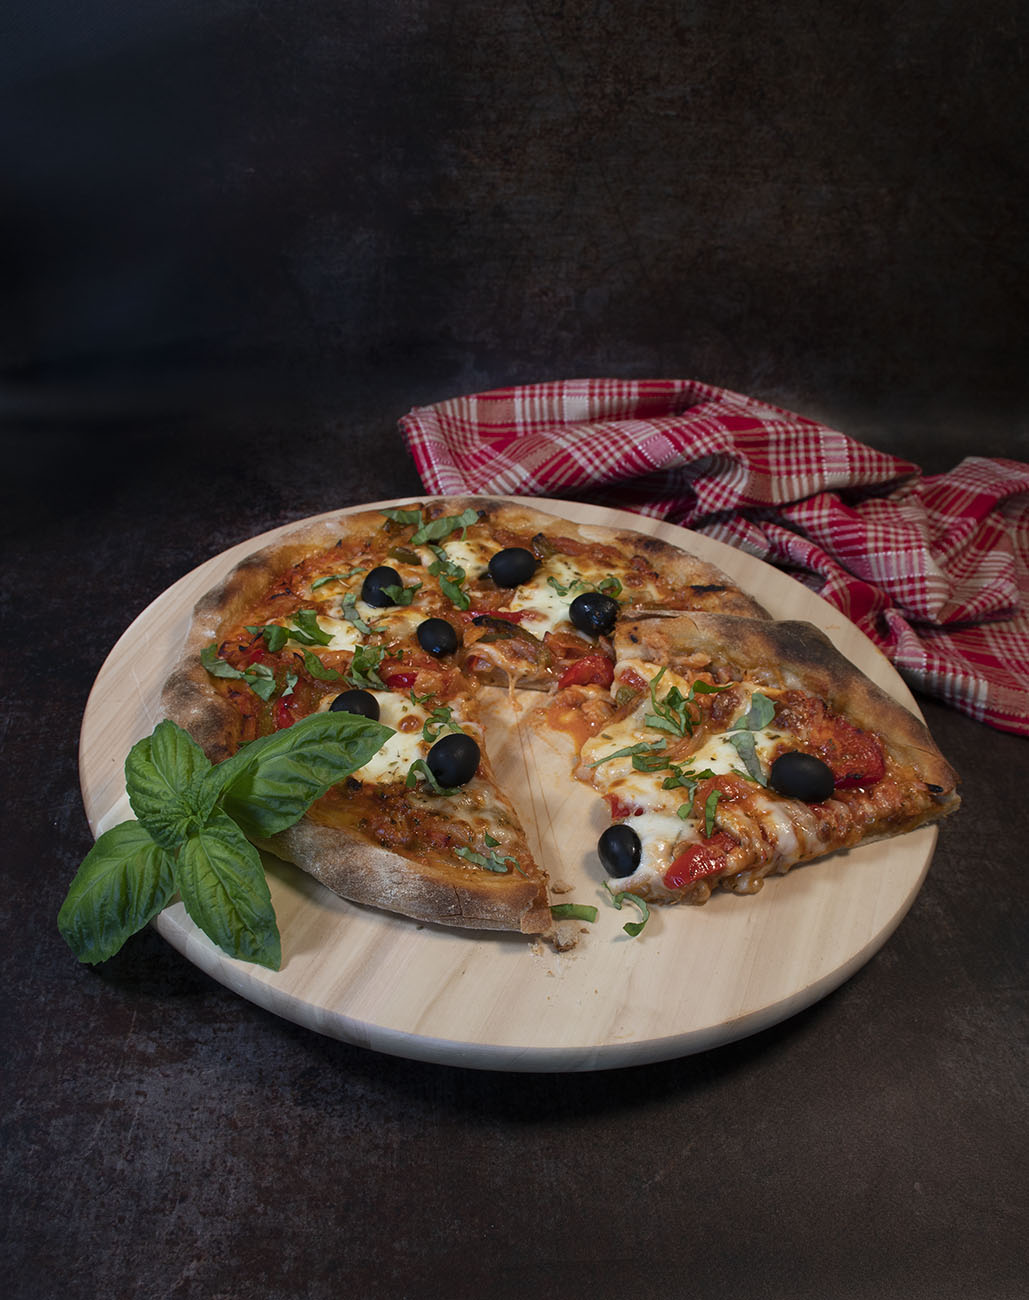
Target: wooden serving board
x=697 y=977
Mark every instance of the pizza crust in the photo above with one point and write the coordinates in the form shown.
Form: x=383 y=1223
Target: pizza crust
x=366 y=873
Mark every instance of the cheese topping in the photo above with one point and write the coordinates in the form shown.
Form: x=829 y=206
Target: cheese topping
x=394 y=759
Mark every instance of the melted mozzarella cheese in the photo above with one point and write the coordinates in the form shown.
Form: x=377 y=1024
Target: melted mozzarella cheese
x=394 y=759
x=547 y=607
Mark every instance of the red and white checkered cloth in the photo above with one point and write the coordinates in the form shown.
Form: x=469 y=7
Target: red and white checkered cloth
x=935 y=570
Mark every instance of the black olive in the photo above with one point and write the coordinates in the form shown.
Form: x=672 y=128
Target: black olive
x=802 y=776
x=363 y=703
x=619 y=848
x=454 y=759
x=437 y=637
x=372 y=588
x=594 y=613
x=512 y=567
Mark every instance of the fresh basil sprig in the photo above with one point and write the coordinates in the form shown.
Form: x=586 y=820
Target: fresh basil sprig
x=190 y=836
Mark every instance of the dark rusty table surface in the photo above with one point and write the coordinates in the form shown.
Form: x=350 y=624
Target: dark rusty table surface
x=239 y=242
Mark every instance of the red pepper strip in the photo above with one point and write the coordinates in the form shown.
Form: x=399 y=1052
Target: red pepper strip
x=509 y=616
x=284 y=716
x=593 y=669
x=703 y=859
x=621 y=808
x=401 y=681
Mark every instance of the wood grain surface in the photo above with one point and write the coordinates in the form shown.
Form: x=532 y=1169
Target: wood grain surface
x=697 y=977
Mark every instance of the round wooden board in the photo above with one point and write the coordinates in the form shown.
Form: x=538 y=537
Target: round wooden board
x=698 y=976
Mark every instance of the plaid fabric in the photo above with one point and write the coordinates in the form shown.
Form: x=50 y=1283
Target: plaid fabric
x=935 y=570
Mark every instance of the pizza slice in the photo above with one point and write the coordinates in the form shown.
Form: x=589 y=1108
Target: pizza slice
x=423 y=828
x=732 y=748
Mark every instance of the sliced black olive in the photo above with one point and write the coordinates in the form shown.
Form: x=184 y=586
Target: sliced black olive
x=363 y=703
x=454 y=759
x=372 y=589
x=512 y=567
x=802 y=776
x=594 y=613
x=619 y=848
x=436 y=637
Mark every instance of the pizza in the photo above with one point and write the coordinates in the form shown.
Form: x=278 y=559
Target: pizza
x=682 y=699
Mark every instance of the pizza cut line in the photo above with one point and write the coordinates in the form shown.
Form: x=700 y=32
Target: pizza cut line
x=726 y=744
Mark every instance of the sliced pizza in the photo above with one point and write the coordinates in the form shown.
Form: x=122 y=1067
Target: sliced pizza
x=734 y=748
x=694 y=714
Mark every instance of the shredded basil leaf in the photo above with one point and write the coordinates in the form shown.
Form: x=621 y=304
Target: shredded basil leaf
x=644 y=747
x=401 y=595
x=363 y=669
x=321 y=672
x=335 y=577
x=758 y=716
x=573 y=912
x=349 y=610
x=743 y=743
x=492 y=862
x=436 y=529
x=404 y=516
x=439 y=720
x=631 y=928
x=420 y=768
x=710 y=806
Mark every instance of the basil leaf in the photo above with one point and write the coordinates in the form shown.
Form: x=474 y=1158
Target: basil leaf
x=158 y=772
x=401 y=595
x=643 y=747
x=318 y=670
x=269 y=784
x=573 y=912
x=222 y=883
x=441 y=719
x=453 y=592
x=306 y=622
x=352 y=616
x=261 y=680
x=363 y=669
x=420 y=768
x=494 y=862
x=124 y=881
x=743 y=743
x=215 y=665
x=631 y=928
x=259 y=677
x=404 y=516
x=759 y=715
x=275 y=635
x=710 y=805
x=436 y=529
x=334 y=577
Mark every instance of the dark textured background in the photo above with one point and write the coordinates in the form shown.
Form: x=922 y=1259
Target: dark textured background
x=237 y=241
